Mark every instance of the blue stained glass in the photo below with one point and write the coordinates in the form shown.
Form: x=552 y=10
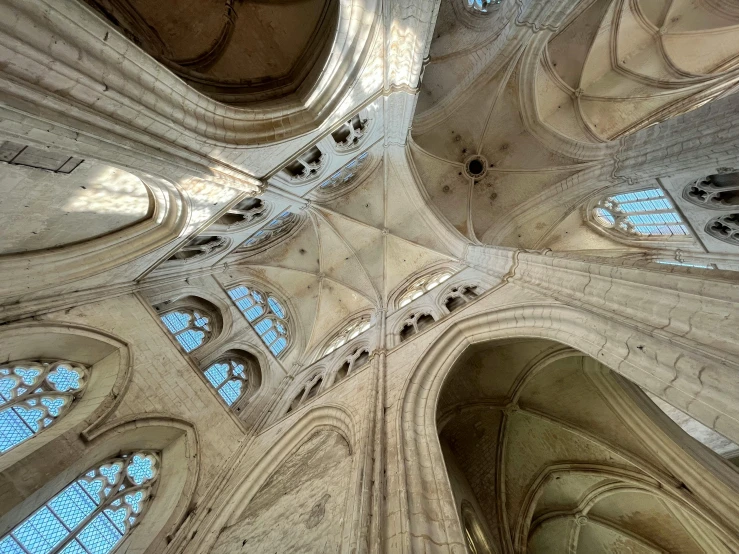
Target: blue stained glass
x=118 y=517
x=9 y=546
x=238 y=292
x=30 y=417
x=6 y=389
x=92 y=488
x=201 y=321
x=53 y=404
x=73 y=547
x=27 y=375
x=269 y=336
x=99 y=536
x=190 y=339
x=245 y=303
x=111 y=473
x=64 y=379
x=140 y=469
x=278 y=346
x=254 y=312
x=72 y=505
x=263 y=326
x=176 y=321
x=276 y=307
x=41 y=532
x=231 y=391
x=280 y=328
x=134 y=500
x=217 y=374
x=238 y=369
x=257 y=296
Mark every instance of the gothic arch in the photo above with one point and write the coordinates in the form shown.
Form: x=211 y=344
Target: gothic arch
x=111 y=372
x=416 y=419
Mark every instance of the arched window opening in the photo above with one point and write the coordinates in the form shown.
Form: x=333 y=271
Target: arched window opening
x=350 y=134
x=275 y=229
x=34 y=395
x=313 y=391
x=191 y=327
x=249 y=210
x=348 y=333
x=343 y=372
x=716 y=192
x=306 y=165
x=355 y=360
x=422 y=285
x=296 y=402
x=308 y=390
x=643 y=213
x=199 y=247
x=266 y=315
x=20 y=154
x=482 y=5
x=93 y=514
x=229 y=377
x=725 y=228
x=345 y=175
x=459 y=296
x=415 y=324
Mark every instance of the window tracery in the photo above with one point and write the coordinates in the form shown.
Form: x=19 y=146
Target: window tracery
x=350 y=134
x=482 y=5
x=191 y=327
x=351 y=331
x=716 y=192
x=275 y=229
x=642 y=213
x=308 y=391
x=305 y=166
x=415 y=323
x=94 y=513
x=725 y=228
x=422 y=285
x=246 y=212
x=345 y=175
x=199 y=247
x=34 y=395
x=460 y=295
x=229 y=378
x=358 y=358
x=266 y=315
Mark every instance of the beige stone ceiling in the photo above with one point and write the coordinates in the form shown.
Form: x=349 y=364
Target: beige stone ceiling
x=554 y=461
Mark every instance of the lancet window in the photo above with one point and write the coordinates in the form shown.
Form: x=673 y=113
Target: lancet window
x=643 y=213
x=244 y=213
x=350 y=133
x=266 y=315
x=351 y=331
x=229 y=377
x=345 y=175
x=414 y=324
x=308 y=391
x=459 y=296
x=278 y=227
x=34 y=395
x=191 y=327
x=422 y=285
x=358 y=358
x=94 y=513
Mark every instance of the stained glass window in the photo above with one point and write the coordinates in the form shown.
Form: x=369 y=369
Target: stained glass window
x=422 y=285
x=482 y=5
x=642 y=213
x=351 y=331
x=93 y=514
x=266 y=315
x=35 y=394
x=275 y=229
x=191 y=328
x=229 y=378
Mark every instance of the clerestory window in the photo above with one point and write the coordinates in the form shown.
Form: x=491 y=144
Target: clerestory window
x=351 y=331
x=275 y=229
x=191 y=327
x=344 y=176
x=229 y=378
x=645 y=213
x=94 y=513
x=422 y=285
x=34 y=395
x=350 y=134
x=266 y=314
x=482 y=5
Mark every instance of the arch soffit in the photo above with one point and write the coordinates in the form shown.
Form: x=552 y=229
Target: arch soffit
x=168 y=218
x=109 y=399
x=278 y=120
x=419 y=397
